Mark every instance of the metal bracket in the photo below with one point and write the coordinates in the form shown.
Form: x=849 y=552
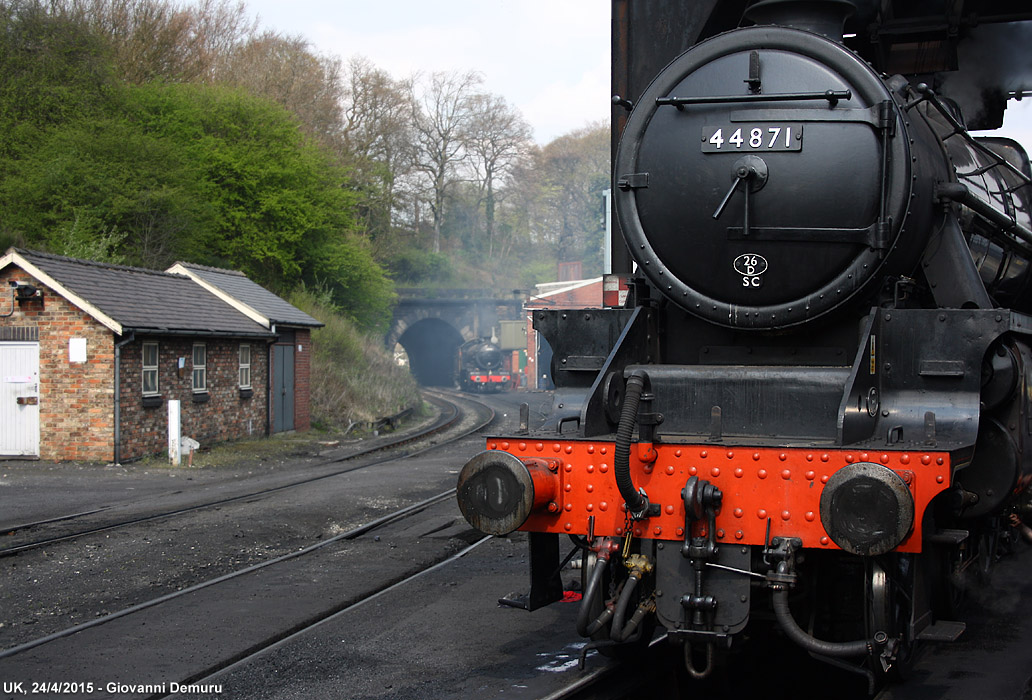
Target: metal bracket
x=701 y=501
x=782 y=551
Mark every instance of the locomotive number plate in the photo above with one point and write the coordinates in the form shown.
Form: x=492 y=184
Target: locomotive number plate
x=740 y=138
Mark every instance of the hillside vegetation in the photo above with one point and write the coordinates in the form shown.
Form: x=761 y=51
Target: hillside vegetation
x=353 y=380
x=144 y=132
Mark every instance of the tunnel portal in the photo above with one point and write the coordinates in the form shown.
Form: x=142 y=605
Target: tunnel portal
x=432 y=346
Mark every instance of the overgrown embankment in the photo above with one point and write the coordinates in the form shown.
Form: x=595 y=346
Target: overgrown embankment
x=354 y=378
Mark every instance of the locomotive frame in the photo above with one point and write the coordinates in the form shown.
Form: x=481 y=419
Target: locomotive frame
x=846 y=407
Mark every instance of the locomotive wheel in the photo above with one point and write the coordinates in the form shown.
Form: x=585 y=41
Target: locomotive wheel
x=890 y=590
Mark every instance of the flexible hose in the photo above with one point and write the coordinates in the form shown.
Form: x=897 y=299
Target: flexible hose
x=600 y=621
x=808 y=642
x=594 y=584
x=618 y=633
x=633 y=630
x=622 y=454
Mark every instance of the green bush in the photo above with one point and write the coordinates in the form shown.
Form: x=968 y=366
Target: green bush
x=418 y=268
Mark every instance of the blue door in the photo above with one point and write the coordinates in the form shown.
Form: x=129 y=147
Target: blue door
x=282 y=388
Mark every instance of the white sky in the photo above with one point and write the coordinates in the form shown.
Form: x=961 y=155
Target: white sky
x=549 y=58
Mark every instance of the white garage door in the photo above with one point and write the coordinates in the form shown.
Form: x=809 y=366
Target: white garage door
x=19 y=399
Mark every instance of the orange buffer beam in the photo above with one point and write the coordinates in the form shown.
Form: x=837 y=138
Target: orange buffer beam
x=782 y=485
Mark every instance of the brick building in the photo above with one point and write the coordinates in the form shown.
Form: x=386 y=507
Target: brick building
x=90 y=355
x=289 y=386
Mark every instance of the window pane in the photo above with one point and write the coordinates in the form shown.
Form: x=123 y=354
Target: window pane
x=150 y=368
x=245 y=354
x=198 y=354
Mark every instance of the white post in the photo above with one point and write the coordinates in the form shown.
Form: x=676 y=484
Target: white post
x=175 y=436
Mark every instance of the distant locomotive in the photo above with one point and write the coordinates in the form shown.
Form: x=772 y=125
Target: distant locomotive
x=815 y=404
x=481 y=367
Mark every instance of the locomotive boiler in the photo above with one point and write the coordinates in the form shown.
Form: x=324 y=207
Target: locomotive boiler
x=813 y=406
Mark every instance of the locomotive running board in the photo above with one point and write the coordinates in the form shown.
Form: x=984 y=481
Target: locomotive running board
x=942 y=631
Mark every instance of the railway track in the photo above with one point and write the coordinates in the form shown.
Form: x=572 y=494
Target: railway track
x=225 y=624
x=76 y=652
x=292 y=587
x=350 y=535
x=450 y=417
x=210 y=676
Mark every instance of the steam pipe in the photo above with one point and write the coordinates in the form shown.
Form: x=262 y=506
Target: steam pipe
x=636 y=500
x=809 y=642
x=928 y=94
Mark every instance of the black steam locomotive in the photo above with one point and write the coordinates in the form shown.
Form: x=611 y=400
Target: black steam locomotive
x=815 y=404
x=481 y=367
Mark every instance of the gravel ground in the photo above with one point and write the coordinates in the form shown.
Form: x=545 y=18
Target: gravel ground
x=64 y=584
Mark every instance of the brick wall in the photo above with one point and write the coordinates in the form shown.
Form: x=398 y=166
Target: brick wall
x=225 y=414
x=76 y=400
x=303 y=380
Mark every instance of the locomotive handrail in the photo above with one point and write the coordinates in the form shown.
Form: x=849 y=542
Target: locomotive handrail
x=832 y=96
x=868 y=115
x=928 y=95
x=959 y=192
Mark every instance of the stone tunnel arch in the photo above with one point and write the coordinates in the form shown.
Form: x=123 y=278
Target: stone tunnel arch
x=431 y=325
x=432 y=345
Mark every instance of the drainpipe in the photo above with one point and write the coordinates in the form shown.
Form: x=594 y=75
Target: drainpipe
x=118 y=395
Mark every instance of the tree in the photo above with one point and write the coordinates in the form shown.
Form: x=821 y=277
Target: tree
x=574 y=172
x=100 y=174
x=162 y=40
x=377 y=139
x=441 y=116
x=150 y=173
x=286 y=71
x=53 y=70
x=497 y=138
x=282 y=211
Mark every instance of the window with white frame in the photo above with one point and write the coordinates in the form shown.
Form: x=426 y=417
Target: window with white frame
x=200 y=368
x=245 y=366
x=150 y=369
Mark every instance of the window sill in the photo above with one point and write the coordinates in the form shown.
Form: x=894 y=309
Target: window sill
x=153 y=401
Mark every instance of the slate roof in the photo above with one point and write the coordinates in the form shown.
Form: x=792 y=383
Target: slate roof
x=133 y=299
x=250 y=298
